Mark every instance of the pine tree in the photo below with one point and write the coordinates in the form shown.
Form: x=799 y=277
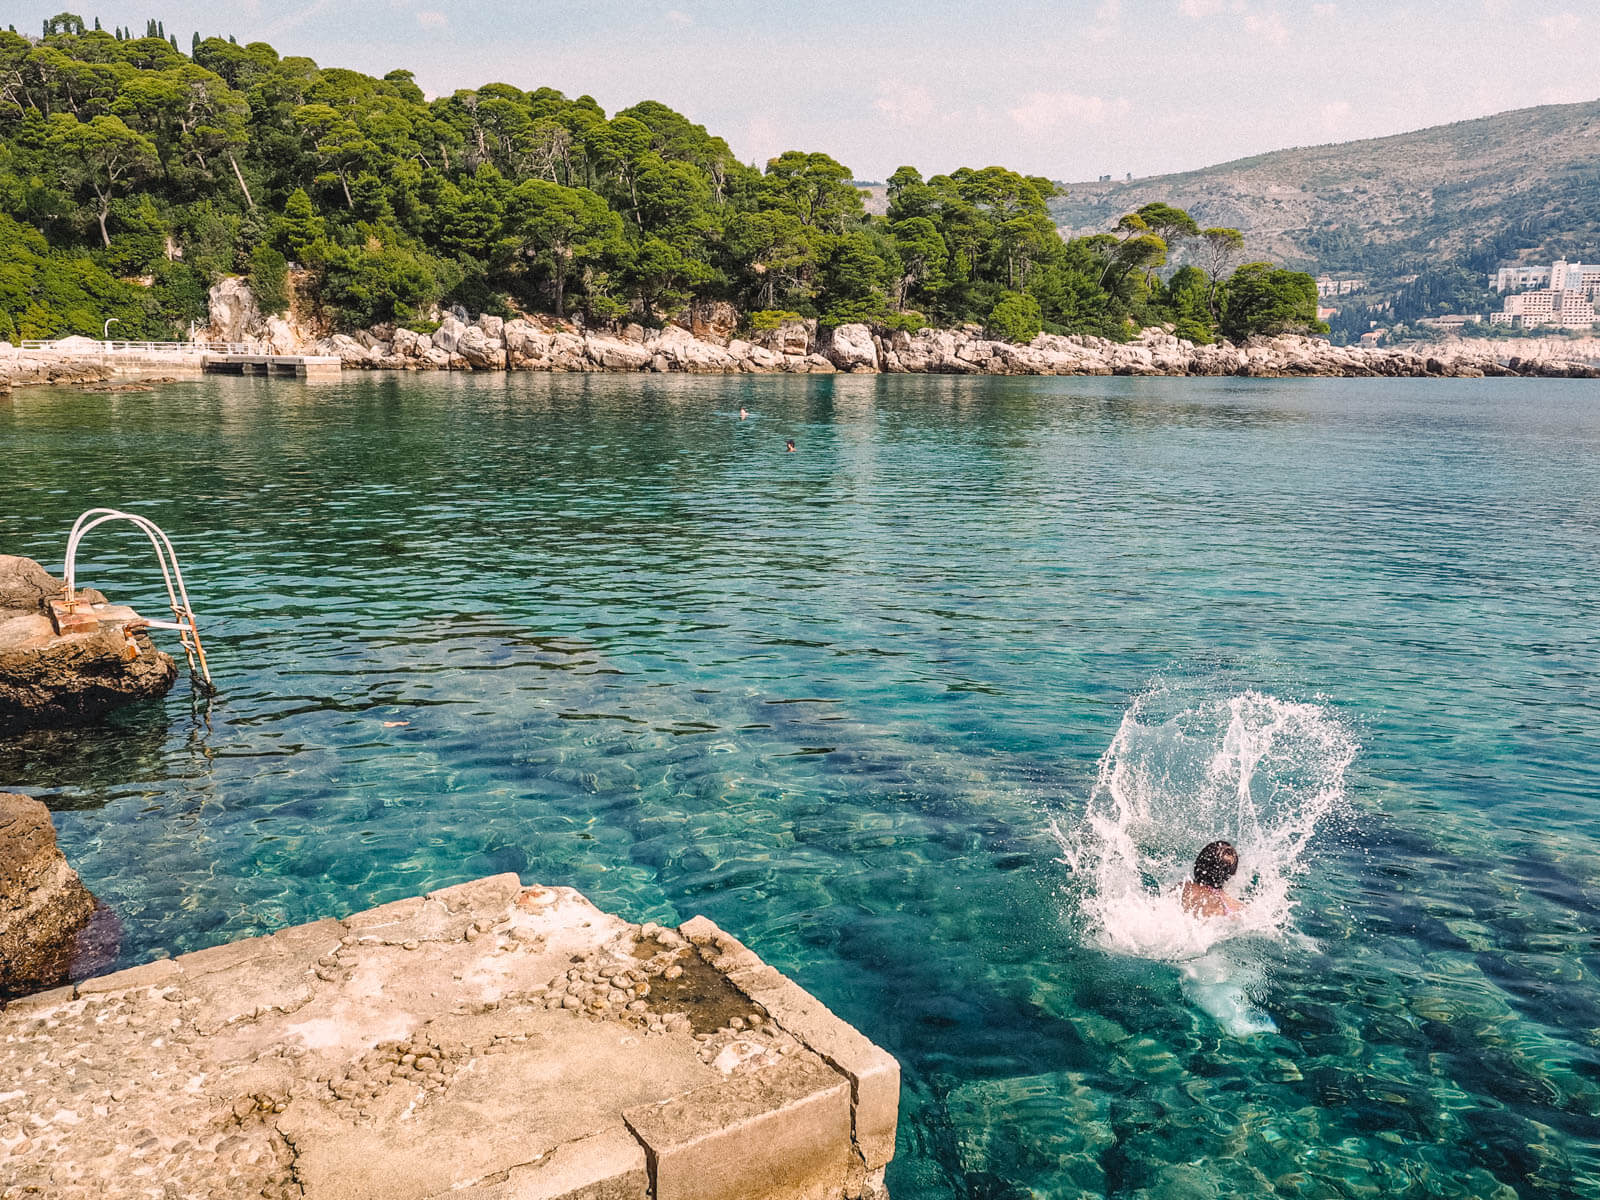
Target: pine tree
x=161 y=30
x=232 y=41
x=150 y=28
x=194 y=43
x=173 y=38
x=97 y=28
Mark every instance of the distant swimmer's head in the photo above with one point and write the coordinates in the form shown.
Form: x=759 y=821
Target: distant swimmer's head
x=790 y=446
x=1216 y=864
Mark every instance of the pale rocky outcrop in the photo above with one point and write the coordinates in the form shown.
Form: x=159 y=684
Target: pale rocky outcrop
x=235 y=316
x=714 y=321
x=48 y=680
x=43 y=904
x=614 y=354
x=852 y=348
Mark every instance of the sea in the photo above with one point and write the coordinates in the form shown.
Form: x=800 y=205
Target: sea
x=933 y=712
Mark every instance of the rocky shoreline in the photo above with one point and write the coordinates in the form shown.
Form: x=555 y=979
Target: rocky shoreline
x=800 y=347
x=711 y=342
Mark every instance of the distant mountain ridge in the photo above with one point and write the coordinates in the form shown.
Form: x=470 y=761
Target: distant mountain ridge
x=1519 y=184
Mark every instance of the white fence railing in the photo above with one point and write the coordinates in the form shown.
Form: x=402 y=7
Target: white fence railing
x=117 y=347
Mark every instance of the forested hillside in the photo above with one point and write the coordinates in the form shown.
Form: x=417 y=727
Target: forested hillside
x=135 y=170
x=1520 y=185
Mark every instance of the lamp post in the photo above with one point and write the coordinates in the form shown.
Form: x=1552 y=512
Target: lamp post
x=105 y=331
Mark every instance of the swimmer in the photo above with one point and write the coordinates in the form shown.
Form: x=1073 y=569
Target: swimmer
x=790 y=446
x=1203 y=896
x=743 y=414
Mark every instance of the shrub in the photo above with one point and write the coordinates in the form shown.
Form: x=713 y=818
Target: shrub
x=768 y=319
x=1015 y=317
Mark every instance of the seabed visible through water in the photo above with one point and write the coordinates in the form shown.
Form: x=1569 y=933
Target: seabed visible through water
x=600 y=632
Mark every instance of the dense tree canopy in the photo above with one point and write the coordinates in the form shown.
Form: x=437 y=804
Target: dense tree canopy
x=133 y=174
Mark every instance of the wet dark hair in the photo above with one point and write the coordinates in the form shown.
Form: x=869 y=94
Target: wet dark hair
x=1215 y=865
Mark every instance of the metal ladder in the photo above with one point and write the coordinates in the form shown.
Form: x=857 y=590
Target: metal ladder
x=177 y=595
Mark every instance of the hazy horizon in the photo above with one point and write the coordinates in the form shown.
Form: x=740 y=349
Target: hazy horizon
x=1072 y=91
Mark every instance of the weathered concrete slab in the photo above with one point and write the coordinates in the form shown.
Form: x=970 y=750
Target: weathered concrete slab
x=488 y=1041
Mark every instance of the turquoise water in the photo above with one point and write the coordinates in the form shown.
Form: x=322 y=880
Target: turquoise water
x=837 y=700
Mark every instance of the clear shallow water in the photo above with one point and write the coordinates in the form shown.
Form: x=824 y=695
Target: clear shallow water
x=836 y=699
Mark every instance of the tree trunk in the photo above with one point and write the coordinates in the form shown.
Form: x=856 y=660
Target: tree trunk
x=105 y=211
x=348 y=202
x=561 y=288
x=243 y=187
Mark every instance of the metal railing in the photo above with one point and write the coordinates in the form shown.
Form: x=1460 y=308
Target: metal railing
x=167 y=557
x=124 y=347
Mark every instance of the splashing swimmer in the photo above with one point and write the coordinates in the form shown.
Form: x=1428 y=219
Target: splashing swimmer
x=1203 y=895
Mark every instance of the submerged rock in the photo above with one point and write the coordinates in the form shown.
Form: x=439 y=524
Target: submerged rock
x=43 y=904
x=49 y=680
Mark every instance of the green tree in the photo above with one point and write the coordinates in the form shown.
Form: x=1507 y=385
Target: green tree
x=556 y=225
x=101 y=156
x=1263 y=299
x=269 y=279
x=1220 y=249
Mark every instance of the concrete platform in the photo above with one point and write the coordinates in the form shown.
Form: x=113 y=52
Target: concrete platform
x=311 y=367
x=486 y=1042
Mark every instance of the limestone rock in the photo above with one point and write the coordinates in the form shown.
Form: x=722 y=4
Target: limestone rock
x=492 y=326
x=25 y=584
x=614 y=354
x=234 y=314
x=713 y=321
x=49 y=681
x=851 y=348
x=43 y=904
x=448 y=336
x=483 y=352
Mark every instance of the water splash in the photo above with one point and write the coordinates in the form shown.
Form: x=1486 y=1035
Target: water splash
x=1256 y=770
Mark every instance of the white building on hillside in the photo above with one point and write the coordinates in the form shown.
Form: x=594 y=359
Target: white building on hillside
x=1327 y=285
x=1560 y=276
x=1520 y=279
x=1568 y=308
x=1565 y=276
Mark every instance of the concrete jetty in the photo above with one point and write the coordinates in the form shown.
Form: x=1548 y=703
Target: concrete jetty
x=486 y=1042
x=81 y=359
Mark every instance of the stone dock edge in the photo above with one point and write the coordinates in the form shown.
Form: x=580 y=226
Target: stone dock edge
x=796 y=1104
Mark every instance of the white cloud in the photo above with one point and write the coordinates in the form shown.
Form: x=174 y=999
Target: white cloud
x=1199 y=10
x=1042 y=112
x=677 y=17
x=1561 y=25
x=429 y=19
x=1107 y=19
x=903 y=104
x=1267 y=26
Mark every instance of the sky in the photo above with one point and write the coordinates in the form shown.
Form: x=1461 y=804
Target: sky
x=1072 y=90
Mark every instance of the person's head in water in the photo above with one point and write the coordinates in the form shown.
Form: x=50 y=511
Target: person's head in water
x=1216 y=864
x=790 y=446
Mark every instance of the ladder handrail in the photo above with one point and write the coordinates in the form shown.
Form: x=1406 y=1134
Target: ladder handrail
x=166 y=558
